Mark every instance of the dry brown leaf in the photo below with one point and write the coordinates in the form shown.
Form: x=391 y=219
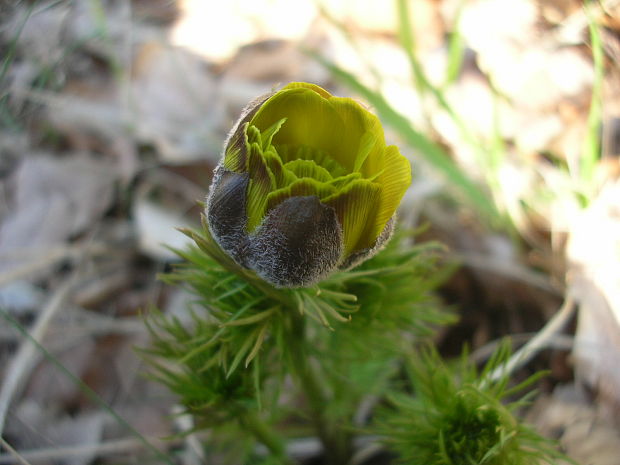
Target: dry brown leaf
x=12 y=147
x=69 y=24
x=216 y=30
x=525 y=64
x=47 y=384
x=46 y=48
x=594 y=279
x=381 y=18
x=175 y=104
x=39 y=427
x=583 y=433
x=54 y=199
x=157 y=229
x=276 y=62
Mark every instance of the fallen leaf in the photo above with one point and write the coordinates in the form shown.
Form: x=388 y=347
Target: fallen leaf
x=583 y=433
x=175 y=104
x=157 y=230
x=39 y=427
x=530 y=67
x=55 y=198
x=594 y=279
x=217 y=30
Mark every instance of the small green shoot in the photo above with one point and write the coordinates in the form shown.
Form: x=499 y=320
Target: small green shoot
x=455 y=418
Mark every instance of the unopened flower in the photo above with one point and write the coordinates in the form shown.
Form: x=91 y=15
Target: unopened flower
x=306 y=186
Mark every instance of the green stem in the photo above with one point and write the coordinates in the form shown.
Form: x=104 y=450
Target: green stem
x=336 y=441
x=265 y=435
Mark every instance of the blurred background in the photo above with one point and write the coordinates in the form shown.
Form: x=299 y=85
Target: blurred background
x=112 y=117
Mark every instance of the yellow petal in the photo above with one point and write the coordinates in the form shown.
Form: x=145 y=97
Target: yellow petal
x=267 y=134
x=308 y=169
x=306 y=85
x=300 y=188
x=364 y=135
x=261 y=183
x=394 y=180
x=341 y=182
x=320 y=157
x=311 y=122
x=281 y=176
x=356 y=207
x=366 y=146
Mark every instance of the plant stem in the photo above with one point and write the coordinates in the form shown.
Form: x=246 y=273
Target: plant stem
x=335 y=440
x=265 y=435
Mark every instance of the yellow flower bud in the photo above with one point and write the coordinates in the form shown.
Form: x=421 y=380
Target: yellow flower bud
x=306 y=186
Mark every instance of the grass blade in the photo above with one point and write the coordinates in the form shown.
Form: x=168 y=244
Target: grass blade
x=592 y=142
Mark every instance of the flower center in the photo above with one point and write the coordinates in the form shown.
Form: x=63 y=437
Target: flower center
x=319 y=157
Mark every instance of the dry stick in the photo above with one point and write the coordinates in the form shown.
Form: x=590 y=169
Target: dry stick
x=27 y=354
x=89 y=325
x=47 y=258
x=510 y=270
x=365 y=452
x=538 y=342
x=116 y=446
x=185 y=422
x=483 y=353
x=28 y=268
x=301 y=448
x=13 y=454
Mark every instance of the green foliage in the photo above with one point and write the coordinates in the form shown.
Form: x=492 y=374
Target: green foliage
x=592 y=141
x=205 y=383
x=456 y=416
x=341 y=339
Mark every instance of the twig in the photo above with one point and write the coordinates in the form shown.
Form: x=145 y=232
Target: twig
x=47 y=258
x=510 y=270
x=95 y=326
x=185 y=423
x=13 y=453
x=300 y=448
x=108 y=447
x=538 y=342
x=90 y=393
x=557 y=341
x=27 y=354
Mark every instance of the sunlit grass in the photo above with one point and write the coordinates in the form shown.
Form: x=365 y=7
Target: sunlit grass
x=592 y=142
x=489 y=198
